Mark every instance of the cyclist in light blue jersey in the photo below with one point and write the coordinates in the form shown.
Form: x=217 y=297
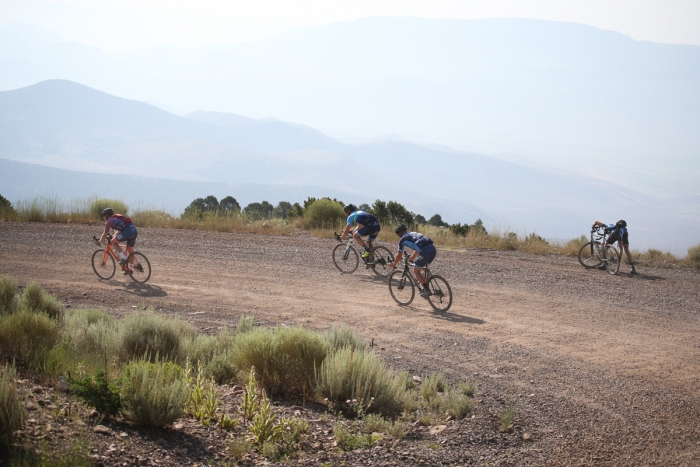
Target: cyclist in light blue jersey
x=367 y=225
x=424 y=253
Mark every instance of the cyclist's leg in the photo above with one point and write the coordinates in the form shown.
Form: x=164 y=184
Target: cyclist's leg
x=360 y=232
x=425 y=257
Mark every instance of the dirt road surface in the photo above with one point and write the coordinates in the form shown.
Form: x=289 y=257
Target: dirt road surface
x=603 y=370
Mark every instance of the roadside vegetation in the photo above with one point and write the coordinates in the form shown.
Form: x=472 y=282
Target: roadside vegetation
x=320 y=217
x=149 y=371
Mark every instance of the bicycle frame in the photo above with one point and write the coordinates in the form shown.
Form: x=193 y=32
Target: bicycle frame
x=598 y=239
x=351 y=244
x=407 y=265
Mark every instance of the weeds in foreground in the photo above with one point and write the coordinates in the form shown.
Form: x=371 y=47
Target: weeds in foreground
x=508 y=418
x=12 y=411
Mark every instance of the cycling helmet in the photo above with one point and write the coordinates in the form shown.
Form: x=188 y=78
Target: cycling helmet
x=400 y=229
x=107 y=212
x=350 y=208
x=621 y=224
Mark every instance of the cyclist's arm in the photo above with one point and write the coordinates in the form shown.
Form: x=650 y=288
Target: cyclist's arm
x=399 y=256
x=359 y=226
x=345 y=232
x=598 y=224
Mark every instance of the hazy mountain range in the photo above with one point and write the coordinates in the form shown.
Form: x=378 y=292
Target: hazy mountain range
x=109 y=146
x=544 y=94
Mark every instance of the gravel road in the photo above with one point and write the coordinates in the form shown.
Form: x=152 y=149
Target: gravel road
x=603 y=370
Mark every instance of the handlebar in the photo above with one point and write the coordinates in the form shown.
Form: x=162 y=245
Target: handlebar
x=337 y=237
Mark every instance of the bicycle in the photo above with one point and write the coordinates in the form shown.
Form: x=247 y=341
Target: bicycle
x=347 y=257
x=105 y=260
x=402 y=287
x=598 y=252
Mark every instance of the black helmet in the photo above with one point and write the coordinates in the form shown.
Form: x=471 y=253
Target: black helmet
x=400 y=228
x=621 y=224
x=107 y=212
x=350 y=208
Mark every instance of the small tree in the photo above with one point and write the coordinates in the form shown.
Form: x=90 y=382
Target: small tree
x=459 y=229
x=6 y=209
x=420 y=220
x=478 y=226
x=437 y=221
x=229 y=205
x=256 y=211
x=282 y=209
x=202 y=205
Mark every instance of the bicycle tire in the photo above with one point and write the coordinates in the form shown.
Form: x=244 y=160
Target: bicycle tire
x=104 y=270
x=346 y=263
x=401 y=288
x=588 y=257
x=441 y=297
x=612 y=260
x=140 y=277
x=382 y=257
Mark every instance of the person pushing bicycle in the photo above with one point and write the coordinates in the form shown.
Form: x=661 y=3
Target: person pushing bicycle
x=618 y=233
x=367 y=225
x=126 y=232
x=424 y=253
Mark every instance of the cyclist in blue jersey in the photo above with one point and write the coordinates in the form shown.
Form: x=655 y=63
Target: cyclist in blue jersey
x=424 y=253
x=367 y=225
x=618 y=233
x=125 y=232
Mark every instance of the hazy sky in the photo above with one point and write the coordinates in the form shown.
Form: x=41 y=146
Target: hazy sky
x=129 y=24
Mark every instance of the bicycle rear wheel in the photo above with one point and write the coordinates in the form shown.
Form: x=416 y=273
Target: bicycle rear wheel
x=612 y=259
x=142 y=268
x=381 y=257
x=345 y=258
x=588 y=257
x=401 y=288
x=103 y=264
x=441 y=294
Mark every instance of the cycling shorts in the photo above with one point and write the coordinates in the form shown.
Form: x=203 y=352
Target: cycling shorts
x=372 y=230
x=128 y=235
x=615 y=237
x=426 y=256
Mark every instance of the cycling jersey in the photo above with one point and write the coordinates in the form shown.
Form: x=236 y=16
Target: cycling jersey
x=117 y=222
x=617 y=235
x=414 y=240
x=363 y=218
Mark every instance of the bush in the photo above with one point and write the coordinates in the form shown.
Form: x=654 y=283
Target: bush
x=26 y=337
x=35 y=299
x=6 y=209
x=245 y=324
x=8 y=294
x=152 y=218
x=361 y=378
x=97 y=206
x=285 y=359
x=152 y=336
x=431 y=385
x=153 y=394
x=12 y=411
x=324 y=214
x=457 y=405
x=340 y=337
x=98 y=392
x=92 y=333
x=694 y=256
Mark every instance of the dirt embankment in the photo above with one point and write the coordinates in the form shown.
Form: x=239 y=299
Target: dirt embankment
x=603 y=370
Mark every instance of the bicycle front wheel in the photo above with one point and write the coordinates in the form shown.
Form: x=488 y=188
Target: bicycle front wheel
x=441 y=294
x=142 y=268
x=103 y=264
x=588 y=257
x=401 y=288
x=612 y=260
x=345 y=258
x=382 y=257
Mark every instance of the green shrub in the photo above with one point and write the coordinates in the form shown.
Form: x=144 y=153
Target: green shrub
x=694 y=256
x=6 y=209
x=431 y=385
x=348 y=441
x=98 y=393
x=356 y=381
x=324 y=214
x=97 y=206
x=239 y=447
x=407 y=379
x=245 y=324
x=221 y=368
x=264 y=427
x=153 y=394
x=152 y=336
x=26 y=337
x=92 y=333
x=468 y=388
x=8 y=294
x=341 y=336
x=12 y=411
x=35 y=299
x=456 y=404
x=285 y=359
